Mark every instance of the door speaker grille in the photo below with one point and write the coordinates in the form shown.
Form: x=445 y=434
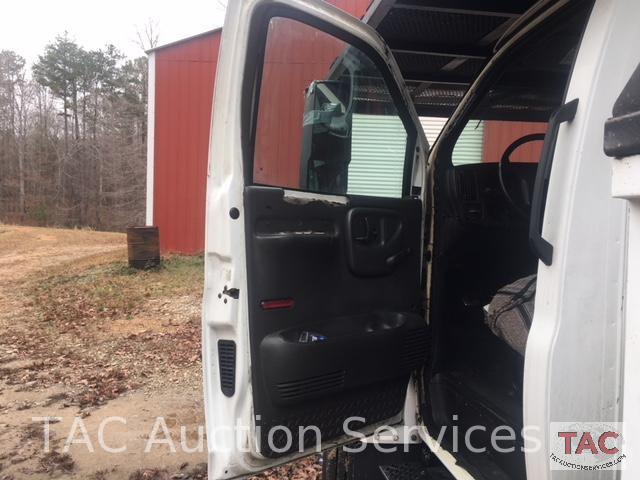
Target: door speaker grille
x=311 y=386
x=227 y=363
x=468 y=189
x=416 y=344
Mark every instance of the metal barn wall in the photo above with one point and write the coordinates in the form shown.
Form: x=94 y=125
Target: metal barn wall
x=498 y=135
x=185 y=75
x=184 y=85
x=296 y=55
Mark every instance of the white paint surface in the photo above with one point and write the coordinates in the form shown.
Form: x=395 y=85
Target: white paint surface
x=625 y=182
x=151 y=135
x=573 y=365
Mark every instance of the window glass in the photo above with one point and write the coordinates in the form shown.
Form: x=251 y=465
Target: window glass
x=484 y=141
x=326 y=119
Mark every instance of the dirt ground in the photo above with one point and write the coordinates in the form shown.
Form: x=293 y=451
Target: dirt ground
x=102 y=352
x=83 y=337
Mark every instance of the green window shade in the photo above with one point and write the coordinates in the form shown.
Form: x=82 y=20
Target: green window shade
x=432 y=127
x=468 y=148
x=378 y=144
x=378 y=147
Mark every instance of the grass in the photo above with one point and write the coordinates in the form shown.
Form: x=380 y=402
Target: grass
x=113 y=290
x=55 y=461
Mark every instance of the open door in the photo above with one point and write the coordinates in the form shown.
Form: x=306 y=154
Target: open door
x=313 y=315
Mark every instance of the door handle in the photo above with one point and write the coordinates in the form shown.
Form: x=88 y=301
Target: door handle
x=395 y=259
x=369 y=233
x=542 y=248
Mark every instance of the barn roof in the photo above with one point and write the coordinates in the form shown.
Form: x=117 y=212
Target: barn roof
x=184 y=40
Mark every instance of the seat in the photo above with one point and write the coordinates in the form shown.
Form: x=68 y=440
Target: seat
x=510 y=313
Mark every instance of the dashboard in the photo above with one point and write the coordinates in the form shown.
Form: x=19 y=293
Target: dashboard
x=475 y=197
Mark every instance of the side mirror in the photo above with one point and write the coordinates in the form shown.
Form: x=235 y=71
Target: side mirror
x=326 y=140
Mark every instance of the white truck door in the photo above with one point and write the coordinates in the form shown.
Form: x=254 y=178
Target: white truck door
x=312 y=318
x=580 y=299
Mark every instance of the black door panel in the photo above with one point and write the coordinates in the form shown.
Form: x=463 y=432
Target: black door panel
x=296 y=370
x=333 y=308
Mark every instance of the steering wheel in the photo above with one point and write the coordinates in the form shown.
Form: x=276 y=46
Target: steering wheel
x=507 y=175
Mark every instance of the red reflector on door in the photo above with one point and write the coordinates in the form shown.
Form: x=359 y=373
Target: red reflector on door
x=280 y=304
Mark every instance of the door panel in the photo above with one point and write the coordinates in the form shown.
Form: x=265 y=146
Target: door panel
x=334 y=316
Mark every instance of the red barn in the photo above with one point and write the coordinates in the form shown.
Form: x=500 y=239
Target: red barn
x=181 y=85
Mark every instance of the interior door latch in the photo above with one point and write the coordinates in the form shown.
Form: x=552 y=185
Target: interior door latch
x=369 y=235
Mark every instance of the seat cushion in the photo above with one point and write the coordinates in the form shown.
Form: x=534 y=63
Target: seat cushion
x=510 y=312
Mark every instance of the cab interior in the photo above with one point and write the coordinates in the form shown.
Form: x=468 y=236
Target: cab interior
x=481 y=242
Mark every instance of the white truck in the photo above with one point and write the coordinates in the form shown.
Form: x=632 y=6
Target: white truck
x=352 y=269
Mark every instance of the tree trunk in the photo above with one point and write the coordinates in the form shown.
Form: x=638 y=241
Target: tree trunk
x=63 y=160
x=21 y=156
x=76 y=120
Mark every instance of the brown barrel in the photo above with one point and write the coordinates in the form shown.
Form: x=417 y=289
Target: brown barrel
x=143 y=244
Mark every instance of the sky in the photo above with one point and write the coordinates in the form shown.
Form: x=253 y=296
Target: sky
x=28 y=25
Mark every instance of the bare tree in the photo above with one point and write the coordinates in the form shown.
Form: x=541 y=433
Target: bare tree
x=23 y=99
x=12 y=124
x=147 y=35
x=86 y=166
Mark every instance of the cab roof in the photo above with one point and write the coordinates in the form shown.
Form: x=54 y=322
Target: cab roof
x=442 y=45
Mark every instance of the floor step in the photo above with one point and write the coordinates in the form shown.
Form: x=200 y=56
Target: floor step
x=414 y=471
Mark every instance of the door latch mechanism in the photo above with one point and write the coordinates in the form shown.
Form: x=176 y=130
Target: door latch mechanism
x=231 y=292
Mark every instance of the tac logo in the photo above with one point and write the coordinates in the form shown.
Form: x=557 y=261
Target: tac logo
x=586 y=446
